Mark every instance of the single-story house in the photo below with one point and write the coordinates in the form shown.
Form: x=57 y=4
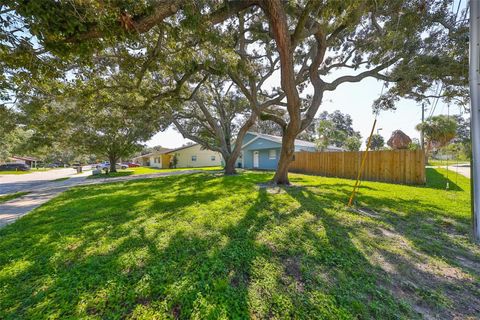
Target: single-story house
x=190 y=156
x=157 y=159
x=195 y=155
x=262 y=151
x=29 y=161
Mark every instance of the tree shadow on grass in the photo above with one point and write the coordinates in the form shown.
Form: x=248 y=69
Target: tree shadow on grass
x=100 y=274
x=180 y=247
x=431 y=227
x=437 y=180
x=444 y=288
x=339 y=266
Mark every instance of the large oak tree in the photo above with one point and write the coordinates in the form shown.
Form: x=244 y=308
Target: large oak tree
x=409 y=43
x=217 y=117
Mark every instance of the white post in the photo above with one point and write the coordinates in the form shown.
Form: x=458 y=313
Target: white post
x=474 y=72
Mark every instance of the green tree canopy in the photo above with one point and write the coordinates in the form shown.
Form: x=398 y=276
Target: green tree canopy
x=317 y=44
x=438 y=130
x=377 y=142
x=353 y=143
x=334 y=129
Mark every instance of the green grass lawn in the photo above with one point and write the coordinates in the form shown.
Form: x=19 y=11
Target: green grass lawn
x=205 y=246
x=148 y=170
x=11 y=196
x=14 y=172
x=26 y=172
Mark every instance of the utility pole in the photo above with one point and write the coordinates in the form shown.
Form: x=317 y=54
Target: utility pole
x=422 y=138
x=474 y=72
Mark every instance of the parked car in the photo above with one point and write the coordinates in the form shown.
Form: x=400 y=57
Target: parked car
x=52 y=165
x=106 y=164
x=122 y=166
x=14 y=167
x=132 y=165
x=60 y=165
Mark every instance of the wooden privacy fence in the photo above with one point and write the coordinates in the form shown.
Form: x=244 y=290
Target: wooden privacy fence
x=395 y=166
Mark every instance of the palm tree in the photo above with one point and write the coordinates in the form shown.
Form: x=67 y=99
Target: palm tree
x=438 y=132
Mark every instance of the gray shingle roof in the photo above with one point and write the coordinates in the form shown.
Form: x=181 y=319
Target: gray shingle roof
x=278 y=139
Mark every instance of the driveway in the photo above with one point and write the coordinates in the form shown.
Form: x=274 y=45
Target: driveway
x=11 y=183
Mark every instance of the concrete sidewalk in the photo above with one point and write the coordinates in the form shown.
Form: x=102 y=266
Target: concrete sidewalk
x=12 y=210
x=463 y=169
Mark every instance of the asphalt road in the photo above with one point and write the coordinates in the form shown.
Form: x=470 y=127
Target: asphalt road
x=10 y=183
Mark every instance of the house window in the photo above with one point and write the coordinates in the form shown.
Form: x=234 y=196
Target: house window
x=194 y=158
x=213 y=158
x=272 y=154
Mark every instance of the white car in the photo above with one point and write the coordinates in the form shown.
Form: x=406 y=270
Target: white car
x=106 y=165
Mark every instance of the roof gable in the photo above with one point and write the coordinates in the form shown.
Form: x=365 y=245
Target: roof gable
x=156 y=152
x=184 y=147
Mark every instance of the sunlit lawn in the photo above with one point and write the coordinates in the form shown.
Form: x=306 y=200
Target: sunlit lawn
x=14 y=172
x=25 y=172
x=148 y=170
x=205 y=246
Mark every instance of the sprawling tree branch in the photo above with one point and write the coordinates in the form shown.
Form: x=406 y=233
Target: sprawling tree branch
x=356 y=78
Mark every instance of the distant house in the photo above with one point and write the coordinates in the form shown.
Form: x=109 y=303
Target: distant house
x=187 y=157
x=196 y=156
x=262 y=151
x=29 y=161
x=157 y=159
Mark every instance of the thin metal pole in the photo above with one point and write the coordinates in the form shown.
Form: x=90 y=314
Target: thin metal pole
x=474 y=72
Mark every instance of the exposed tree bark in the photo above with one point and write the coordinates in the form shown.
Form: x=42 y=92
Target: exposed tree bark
x=278 y=22
x=230 y=166
x=286 y=157
x=229 y=155
x=286 y=43
x=113 y=162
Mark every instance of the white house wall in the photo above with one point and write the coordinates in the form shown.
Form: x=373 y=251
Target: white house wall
x=18 y=161
x=204 y=157
x=158 y=163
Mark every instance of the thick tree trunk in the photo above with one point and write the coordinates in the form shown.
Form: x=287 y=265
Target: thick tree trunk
x=230 y=164
x=278 y=24
x=231 y=159
x=113 y=163
x=286 y=157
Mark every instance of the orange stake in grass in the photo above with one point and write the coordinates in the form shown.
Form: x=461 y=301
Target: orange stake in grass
x=359 y=176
